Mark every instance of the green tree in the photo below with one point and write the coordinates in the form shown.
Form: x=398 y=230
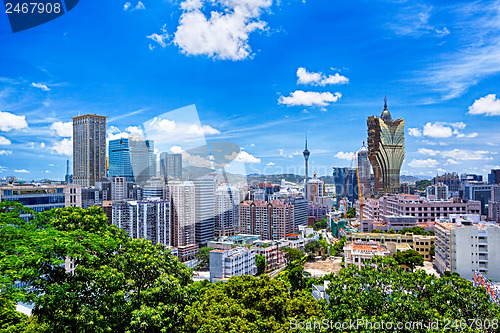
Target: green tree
x=119 y=284
x=203 y=257
x=409 y=258
x=260 y=262
x=292 y=254
x=338 y=247
x=322 y=224
x=432 y=251
x=313 y=246
x=391 y=231
x=421 y=185
x=415 y=231
x=250 y=304
x=376 y=231
x=351 y=213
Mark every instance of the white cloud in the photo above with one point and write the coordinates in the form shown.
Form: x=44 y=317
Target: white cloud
x=47 y=171
x=177 y=129
x=466 y=155
x=9 y=121
x=429 y=152
x=40 y=86
x=415 y=132
x=488 y=105
x=63 y=147
x=127 y=5
x=270 y=164
x=437 y=130
x=42 y=144
x=225 y=33
x=244 y=157
x=62 y=129
x=51 y=164
x=305 y=77
x=428 y=163
x=5 y=152
x=344 y=156
x=310 y=98
x=4 y=141
x=135 y=130
x=452 y=161
x=21 y=171
x=139 y=6
x=414 y=21
x=176 y=150
x=441 y=170
x=159 y=38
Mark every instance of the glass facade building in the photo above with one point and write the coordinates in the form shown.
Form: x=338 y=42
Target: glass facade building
x=133 y=158
x=386 y=151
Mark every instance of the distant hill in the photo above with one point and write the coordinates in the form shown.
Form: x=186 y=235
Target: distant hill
x=408 y=179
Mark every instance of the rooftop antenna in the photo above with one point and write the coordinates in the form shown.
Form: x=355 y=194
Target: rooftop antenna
x=385 y=102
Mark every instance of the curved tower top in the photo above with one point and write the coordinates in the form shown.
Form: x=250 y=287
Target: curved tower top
x=386 y=115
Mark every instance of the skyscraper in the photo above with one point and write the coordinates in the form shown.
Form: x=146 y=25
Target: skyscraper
x=364 y=170
x=182 y=195
x=171 y=165
x=132 y=157
x=89 y=149
x=386 y=146
x=227 y=202
x=306 y=154
x=205 y=209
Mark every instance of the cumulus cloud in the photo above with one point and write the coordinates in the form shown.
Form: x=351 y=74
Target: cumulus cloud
x=244 y=157
x=430 y=152
x=161 y=38
x=10 y=121
x=4 y=141
x=63 y=147
x=5 y=152
x=466 y=155
x=344 y=156
x=177 y=129
x=270 y=164
x=176 y=150
x=135 y=130
x=320 y=79
x=428 y=163
x=225 y=33
x=309 y=98
x=442 y=130
x=40 y=86
x=488 y=105
x=62 y=129
x=452 y=161
x=21 y=171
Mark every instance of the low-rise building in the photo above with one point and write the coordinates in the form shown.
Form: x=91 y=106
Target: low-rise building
x=358 y=252
x=43 y=197
x=234 y=262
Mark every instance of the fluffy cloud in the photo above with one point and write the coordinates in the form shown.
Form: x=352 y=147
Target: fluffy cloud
x=466 y=155
x=176 y=150
x=21 y=171
x=244 y=157
x=488 y=105
x=63 y=147
x=159 y=38
x=430 y=152
x=134 y=130
x=40 y=86
x=428 y=163
x=4 y=141
x=344 y=156
x=62 y=129
x=305 y=77
x=441 y=129
x=270 y=164
x=310 y=98
x=9 y=121
x=5 y=152
x=225 y=33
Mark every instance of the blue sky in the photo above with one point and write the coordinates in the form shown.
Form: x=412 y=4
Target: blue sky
x=261 y=73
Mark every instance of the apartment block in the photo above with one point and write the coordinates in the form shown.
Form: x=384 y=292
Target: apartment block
x=272 y=220
x=233 y=262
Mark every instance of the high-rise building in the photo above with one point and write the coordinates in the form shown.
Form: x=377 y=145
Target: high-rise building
x=364 y=170
x=155 y=188
x=227 y=203
x=182 y=195
x=132 y=157
x=68 y=178
x=148 y=219
x=205 y=209
x=171 y=165
x=300 y=208
x=386 y=146
x=89 y=149
x=272 y=220
x=346 y=183
x=471 y=177
x=306 y=154
x=494 y=177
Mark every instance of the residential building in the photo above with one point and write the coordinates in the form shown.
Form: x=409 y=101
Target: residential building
x=155 y=188
x=171 y=165
x=227 y=203
x=272 y=220
x=300 y=209
x=234 y=262
x=494 y=177
x=89 y=149
x=466 y=247
x=386 y=145
x=449 y=179
x=437 y=192
x=479 y=192
x=183 y=219
x=364 y=170
x=149 y=219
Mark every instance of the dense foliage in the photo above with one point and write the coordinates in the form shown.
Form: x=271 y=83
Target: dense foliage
x=321 y=224
x=351 y=213
x=409 y=258
x=203 y=257
x=260 y=262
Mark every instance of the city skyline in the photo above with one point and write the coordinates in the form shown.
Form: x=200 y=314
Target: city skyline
x=435 y=63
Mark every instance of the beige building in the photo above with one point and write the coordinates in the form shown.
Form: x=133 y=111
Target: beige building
x=182 y=195
x=419 y=243
x=358 y=252
x=272 y=220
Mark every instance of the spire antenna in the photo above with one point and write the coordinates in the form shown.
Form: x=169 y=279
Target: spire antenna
x=385 y=102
